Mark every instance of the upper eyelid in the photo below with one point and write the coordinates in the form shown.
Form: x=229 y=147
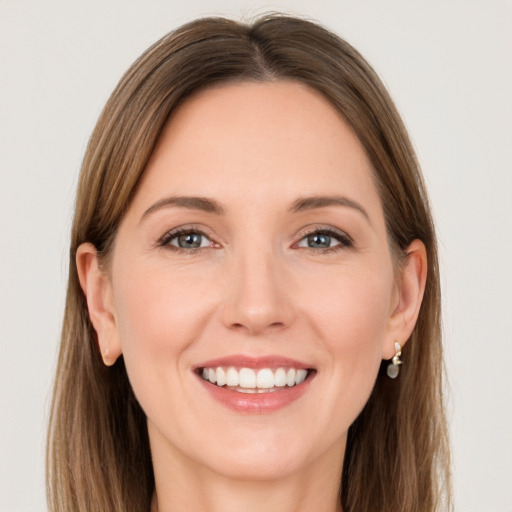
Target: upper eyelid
x=323 y=228
x=344 y=239
x=202 y=230
x=194 y=228
x=174 y=232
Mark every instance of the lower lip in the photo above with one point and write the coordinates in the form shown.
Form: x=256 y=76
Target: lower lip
x=256 y=403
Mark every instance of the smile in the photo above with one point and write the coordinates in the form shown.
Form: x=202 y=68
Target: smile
x=255 y=384
x=249 y=380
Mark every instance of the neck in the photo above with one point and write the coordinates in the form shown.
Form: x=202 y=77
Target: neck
x=233 y=496
x=181 y=485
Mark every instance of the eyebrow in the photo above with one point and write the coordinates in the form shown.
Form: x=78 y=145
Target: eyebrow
x=310 y=203
x=192 y=203
x=207 y=205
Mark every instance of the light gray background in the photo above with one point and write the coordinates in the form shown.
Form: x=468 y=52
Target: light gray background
x=448 y=64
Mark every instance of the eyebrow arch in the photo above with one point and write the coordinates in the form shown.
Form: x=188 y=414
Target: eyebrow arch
x=310 y=203
x=191 y=202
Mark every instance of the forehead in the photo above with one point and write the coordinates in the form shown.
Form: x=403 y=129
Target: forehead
x=263 y=139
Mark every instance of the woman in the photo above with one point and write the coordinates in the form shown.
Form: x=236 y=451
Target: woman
x=252 y=260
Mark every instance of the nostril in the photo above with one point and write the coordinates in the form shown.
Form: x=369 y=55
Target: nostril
x=255 y=315
x=255 y=328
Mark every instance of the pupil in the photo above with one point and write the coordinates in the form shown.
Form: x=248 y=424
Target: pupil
x=190 y=240
x=316 y=240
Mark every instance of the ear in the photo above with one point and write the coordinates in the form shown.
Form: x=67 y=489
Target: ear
x=410 y=290
x=97 y=288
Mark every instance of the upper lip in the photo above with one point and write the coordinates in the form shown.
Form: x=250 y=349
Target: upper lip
x=255 y=362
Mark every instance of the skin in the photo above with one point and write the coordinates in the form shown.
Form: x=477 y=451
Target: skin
x=256 y=287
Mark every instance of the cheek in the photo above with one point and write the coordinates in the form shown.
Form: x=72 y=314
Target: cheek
x=158 y=319
x=158 y=309
x=353 y=311
x=352 y=320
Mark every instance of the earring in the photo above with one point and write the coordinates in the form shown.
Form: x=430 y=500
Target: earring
x=393 y=367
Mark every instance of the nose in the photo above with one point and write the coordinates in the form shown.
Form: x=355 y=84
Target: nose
x=258 y=298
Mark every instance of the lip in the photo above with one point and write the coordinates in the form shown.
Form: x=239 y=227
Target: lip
x=255 y=403
x=256 y=363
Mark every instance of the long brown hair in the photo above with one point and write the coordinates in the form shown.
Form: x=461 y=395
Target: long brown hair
x=98 y=451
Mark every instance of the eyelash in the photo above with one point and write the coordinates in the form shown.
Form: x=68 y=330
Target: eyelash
x=344 y=240
x=165 y=241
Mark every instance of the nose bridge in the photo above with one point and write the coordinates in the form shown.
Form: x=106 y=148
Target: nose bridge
x=257 y=300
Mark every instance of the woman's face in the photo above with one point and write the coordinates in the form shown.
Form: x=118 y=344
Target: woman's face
x=254 y=252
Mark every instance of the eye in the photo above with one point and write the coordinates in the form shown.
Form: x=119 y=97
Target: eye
x=325 y=239
x=186 y=239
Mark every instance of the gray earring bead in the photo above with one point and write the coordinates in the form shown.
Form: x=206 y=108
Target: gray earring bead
x=393 y=368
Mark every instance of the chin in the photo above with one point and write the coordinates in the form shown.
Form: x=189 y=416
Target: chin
x=263 y=467
x=260 y=455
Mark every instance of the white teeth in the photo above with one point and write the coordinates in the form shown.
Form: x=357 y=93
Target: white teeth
x=221 y=376
x=300 y=376
x=265 y=378
x=290 y=377
x=232 y=377
x=247 y=380
x=280 y=377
